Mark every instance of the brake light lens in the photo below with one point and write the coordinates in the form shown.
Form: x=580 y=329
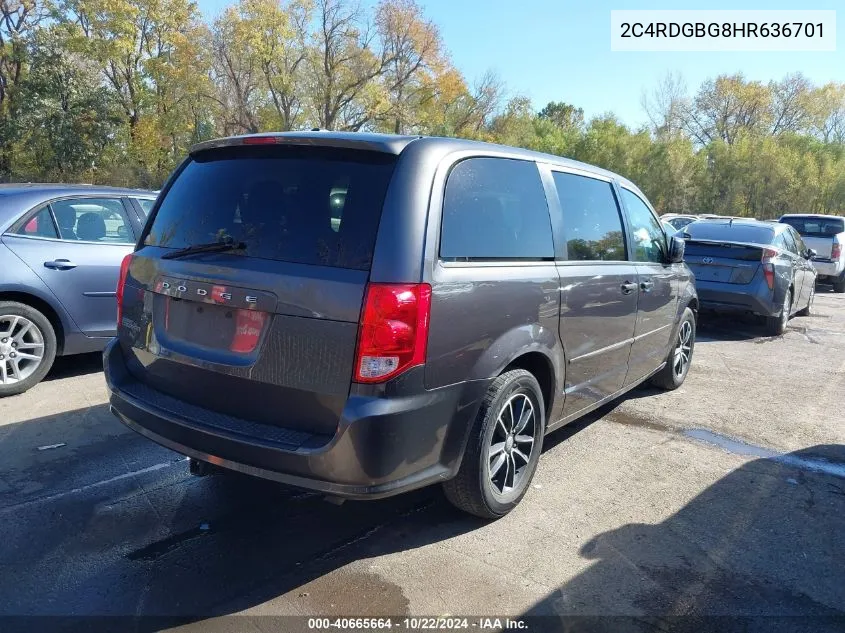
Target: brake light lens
x=393 y=331
x=836 y=251
x=259 y=140
x=121 y=284
x=769 y=267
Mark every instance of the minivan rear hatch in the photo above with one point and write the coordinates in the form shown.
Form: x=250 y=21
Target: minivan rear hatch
x=263 y=326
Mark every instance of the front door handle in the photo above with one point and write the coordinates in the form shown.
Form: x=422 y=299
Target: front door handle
x=60 y=264
x=628 y=288
x=646 y=286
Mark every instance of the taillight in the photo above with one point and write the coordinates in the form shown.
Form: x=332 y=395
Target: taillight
x=769 y=266
x=393 y=331
x=121 y=283
x=836 y=251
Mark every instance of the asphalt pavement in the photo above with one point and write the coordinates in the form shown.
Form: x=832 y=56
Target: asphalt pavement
x=660 y=512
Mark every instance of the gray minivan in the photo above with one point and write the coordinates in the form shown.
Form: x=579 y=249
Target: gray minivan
x=363 y=314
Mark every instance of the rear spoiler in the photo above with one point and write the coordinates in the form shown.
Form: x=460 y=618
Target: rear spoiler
x=345 y=140
x=690 y=240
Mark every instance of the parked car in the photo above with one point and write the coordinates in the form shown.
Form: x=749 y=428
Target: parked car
x=60 y=253
x=668 y=228
x=365 y=314
x=677 y=220
x=750 y=266
x=825 y=234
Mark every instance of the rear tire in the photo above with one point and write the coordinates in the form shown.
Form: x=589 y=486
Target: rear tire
x=24 y=332
x=479 y=487
x=678 y=363
x=776 y=325
x=839 y=284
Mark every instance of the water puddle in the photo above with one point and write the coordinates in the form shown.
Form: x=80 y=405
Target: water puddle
x=738 y=447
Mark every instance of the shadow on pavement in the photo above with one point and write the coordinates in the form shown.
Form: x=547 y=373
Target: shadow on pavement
x=110 y=524
x=763 y=549
x=76 y=365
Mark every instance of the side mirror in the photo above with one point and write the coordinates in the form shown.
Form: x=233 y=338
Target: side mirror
x=811 y=254
x=676 y=249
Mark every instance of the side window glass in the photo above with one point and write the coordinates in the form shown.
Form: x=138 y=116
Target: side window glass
x=39 y=225
x=791 y=246
x=649 y=239
x=93 y=220
x=495 y=208
x=591 y=221
x=146 y=205
x=799 y=243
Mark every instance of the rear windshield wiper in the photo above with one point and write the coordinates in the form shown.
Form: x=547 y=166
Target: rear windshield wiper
x=227 y=244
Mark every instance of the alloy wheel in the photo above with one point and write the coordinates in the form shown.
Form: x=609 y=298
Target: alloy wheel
x=683 y=350
x=21 y=348
x=512 y=443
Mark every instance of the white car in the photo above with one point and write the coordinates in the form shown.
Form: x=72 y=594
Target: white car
x=825 y=234
x=678 y=220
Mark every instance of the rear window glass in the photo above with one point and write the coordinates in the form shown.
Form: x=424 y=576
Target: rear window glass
x=495 y=208
x=725 y=231
x=816 y=227
x=317 y=206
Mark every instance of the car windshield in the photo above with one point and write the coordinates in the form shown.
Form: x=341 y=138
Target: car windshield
x=318 y=206
x=811 y=226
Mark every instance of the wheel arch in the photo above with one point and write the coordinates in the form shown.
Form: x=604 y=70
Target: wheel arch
x=541 y=367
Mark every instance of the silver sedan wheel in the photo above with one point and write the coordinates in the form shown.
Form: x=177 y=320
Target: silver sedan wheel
x=683 y=350
x=512 y=443
x=21 y=348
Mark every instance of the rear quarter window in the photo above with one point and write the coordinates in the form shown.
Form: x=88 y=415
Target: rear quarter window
x=317 y=206
x=495 y=209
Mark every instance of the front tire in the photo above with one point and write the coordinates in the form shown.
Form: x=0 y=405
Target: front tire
x=678 y=363
x=503 y=449
x=27 y=347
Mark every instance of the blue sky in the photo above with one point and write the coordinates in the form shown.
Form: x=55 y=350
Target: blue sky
x=560 y=50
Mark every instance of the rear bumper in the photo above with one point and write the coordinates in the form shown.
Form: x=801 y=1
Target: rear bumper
x=828 y=268
x=384 y=445
x=738 y=298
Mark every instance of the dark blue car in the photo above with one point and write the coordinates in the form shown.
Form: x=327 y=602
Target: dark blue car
x=743 y=265
x=60 y=253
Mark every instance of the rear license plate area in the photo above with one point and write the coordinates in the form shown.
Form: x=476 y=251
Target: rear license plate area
x=212 y=326
x=712 y=273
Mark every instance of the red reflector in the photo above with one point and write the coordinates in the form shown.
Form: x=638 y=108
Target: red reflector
x=393 y=332
x=259 y=140
x=121 y=284
x=248 y=327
